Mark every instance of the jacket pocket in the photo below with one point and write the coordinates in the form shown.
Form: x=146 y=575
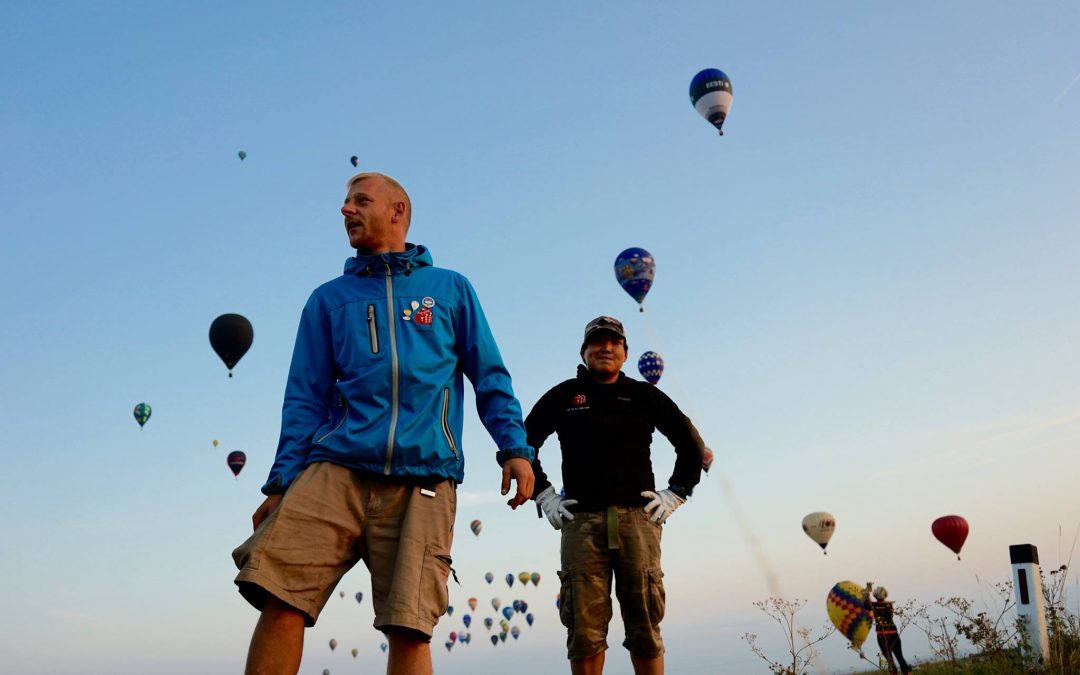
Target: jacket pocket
x=446 y=421
x=373 y=329
x=344 y=405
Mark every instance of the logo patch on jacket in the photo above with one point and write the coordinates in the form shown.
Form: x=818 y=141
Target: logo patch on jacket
x=579 y=399
x=422 y=317
x=578 y=402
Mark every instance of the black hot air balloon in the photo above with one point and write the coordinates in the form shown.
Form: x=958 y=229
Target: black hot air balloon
x=236 y=461
x=231 y=336
x=355 y=160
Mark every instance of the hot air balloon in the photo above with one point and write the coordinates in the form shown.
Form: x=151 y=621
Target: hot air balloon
x=472 y=604
x=383 y=647
x=710 y=94
x=453 y=636
x=449 y=644
x=489 y=577
x=535 y=578
x=354 y=652
x=848 y=612
x=494 y=640
x=359 y=597
x=341 y=594
x=333 y=644
x=242 y=155
x=467 y=620
x=355 y=160
x=558 y=601
x=216 y=442
x=819 y=526
x=509 y=580
x=496 y=603
x=475 y=526
x=502 y=636
x=707 y=460
x=236 y=461
x=524 y=577
x=523 y=607
x=488 y=622
x=529 y=618
x=231 y=336
x=450 y=610
x=508 y=612
x=651 y=367
x=142 y=413
x=635 y=271
x=325 y=671
x=464 y=638
x=515 y=631
x=517 y=605
x=951 y=531
x=504 y=624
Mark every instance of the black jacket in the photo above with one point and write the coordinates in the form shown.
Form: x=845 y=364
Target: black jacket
x=605 y=431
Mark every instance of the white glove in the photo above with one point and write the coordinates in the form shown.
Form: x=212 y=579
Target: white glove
x=663 y=504
x=555 y=506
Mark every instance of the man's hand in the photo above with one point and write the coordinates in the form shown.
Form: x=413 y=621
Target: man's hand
x=265 y=509
x=520 y=470
x=555 y=506
x=663 y=504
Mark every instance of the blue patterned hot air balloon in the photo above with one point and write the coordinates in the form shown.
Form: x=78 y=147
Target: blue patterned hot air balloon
x=710 y=94
x=651 y=367
x=467 y=620
x=142 y=414
x=635 y=270
x=508 y=612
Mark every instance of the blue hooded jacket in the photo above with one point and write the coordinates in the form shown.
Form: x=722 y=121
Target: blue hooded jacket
x=375 y=382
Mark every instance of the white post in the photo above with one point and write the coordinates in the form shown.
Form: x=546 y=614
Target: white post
x=1029 y=598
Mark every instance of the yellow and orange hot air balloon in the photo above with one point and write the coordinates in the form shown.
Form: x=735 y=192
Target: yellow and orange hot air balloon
x=848 y=612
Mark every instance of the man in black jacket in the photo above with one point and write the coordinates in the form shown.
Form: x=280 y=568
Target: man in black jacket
x=610 y=512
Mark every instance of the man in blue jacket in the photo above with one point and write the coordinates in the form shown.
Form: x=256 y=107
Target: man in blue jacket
x=370 y=450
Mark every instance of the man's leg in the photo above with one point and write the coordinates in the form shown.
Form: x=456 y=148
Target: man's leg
x=410 y=653
x=278 y=641
x=592 y=665
x=643 y=666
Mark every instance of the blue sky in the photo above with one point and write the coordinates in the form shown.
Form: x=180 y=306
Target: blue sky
x=865 y=292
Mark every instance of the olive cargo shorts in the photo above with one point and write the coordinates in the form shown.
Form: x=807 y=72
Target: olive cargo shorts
x=330 y=518
x=587 y=568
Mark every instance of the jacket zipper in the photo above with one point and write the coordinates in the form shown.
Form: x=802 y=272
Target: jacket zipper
x=446 y=420
x=393 y=371
x=372 y=329
x=341 y=403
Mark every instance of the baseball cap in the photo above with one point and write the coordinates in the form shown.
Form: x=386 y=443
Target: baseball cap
x=602 y=323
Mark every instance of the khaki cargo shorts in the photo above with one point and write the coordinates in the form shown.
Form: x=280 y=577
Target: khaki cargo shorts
x=588 y=564
x=330 y=518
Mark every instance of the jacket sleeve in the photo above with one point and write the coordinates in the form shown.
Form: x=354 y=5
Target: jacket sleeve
x=538 y=426
x=684 y=436
x=307 y=396
x=481 y=362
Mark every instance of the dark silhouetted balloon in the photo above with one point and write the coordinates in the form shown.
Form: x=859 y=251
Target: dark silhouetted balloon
x=231 y=336
x=236 y=461
x=242 y=155
x=355 y=160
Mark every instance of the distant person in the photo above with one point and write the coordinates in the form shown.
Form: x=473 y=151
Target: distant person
x=370 y=452
x=611 y=512
x=888 y=638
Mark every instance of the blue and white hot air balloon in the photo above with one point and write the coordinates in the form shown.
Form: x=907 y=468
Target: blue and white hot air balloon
x=710 y=94
x=635 y=270
x=651 y=367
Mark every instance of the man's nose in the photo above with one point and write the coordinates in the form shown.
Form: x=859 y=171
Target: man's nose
x=347 y=210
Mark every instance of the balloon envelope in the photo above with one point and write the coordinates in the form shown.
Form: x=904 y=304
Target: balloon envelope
x=524 y=577
x=467 y=620
x=231 y=336
x=710 y=94
x=333 y=644
x=508 y=612
x=529 y=618
x=383 y=647
x=707 y=460
x=453 y=636
x=535 y=578
x=509 y=580
x=488 y=577
x=449 y=644
x=488 y=622
x=496 y=603
x=476 y=526
x=494 y=639
x=142 y=413
x=635 y=271
x=848 y=612
x=236 y=461
x=359 y=597
x=355 y=160
x=472 y=604
x=242 y=155
x=951 y=531
x=515 y=631
x=651 y=367
x=355 y=651
x=216 y=442
x=450 y=610
x=819 y=526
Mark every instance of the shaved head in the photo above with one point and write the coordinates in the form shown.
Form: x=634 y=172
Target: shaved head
x=392 y=189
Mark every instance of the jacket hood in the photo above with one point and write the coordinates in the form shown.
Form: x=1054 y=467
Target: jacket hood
x=401 y=262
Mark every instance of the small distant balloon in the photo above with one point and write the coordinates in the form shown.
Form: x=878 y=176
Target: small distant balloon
x=142 y=413
x=355 y=160
x=354 y=652
x=635 y=271
x=476 y=526
x=502 y=636
x=951 y=531
x=515 y=631
x=524 y=577
x=236 y=461
x=359 y=597
x=231 y=336
x=242 y=155
x=326 y=671
x=453 y=636
x=333 y=644
x=450 y=610
x=710 y=94
x=467 y=620
x=707 y=460
x=535 y=578
x=496 y=603
x=449 y=645
x=529 y=618
x=383 y=647
x=508 y=612
x=509 y=580
x=488 y=577
x=216 y=442
x=494 y=640
x=819 y=526
x=472 y=604
x=488 y=622
x=651 y=367
x=523 y=607
x=341 y=594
